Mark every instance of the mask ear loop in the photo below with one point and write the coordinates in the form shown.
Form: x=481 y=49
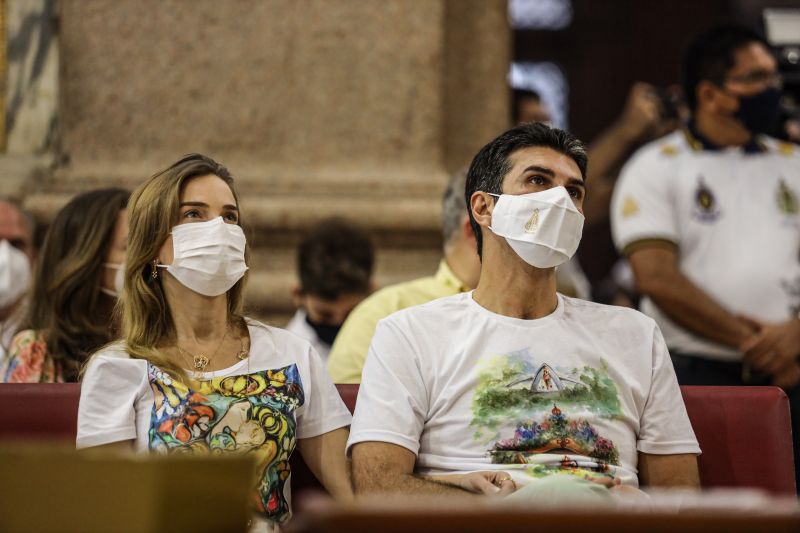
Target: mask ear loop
x=498 y=197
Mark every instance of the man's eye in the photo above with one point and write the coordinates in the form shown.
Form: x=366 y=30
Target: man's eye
x=538 y=180
x=576 y=193
x=232 y=217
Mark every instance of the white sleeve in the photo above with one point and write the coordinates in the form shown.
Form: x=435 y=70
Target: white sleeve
x=392 y=399
x=642 y=207
x=664 y=427
x=323 y=409
x=107 y=412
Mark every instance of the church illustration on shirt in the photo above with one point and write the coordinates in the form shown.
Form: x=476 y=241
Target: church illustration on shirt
x=534 y=414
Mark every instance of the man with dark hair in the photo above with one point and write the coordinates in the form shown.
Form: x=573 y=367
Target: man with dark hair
x=17 y=252
x=458 y=272
x=513 y=384
x=709 y=218
x=334 y=264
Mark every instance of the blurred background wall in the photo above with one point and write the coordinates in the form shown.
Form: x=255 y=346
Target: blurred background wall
x=318 y=107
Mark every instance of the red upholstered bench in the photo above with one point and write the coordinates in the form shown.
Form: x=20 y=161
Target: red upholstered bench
x=744 y=432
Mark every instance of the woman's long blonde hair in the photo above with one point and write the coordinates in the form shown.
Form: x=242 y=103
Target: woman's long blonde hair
x=153 y=211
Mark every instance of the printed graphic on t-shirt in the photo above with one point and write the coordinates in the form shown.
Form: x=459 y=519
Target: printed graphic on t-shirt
x=250 y=413
x=530 y=412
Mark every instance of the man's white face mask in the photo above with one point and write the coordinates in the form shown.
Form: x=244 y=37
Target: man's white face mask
x=544 y=228
x=15 y=273
x=208 y=256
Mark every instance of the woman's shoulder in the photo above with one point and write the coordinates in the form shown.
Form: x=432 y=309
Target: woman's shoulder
x=280 y=346
x=112 y=356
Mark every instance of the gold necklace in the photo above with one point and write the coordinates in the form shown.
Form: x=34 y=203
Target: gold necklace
x=200 y=361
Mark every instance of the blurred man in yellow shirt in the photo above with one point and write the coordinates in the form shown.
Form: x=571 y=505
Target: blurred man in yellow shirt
x=458 y=272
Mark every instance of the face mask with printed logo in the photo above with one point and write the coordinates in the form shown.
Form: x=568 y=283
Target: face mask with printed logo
x=208 y=257
x=544 y=228
x=15 y=273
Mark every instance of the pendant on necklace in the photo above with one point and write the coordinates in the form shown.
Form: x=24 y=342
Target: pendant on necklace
x=242 y=355
x=200 y=362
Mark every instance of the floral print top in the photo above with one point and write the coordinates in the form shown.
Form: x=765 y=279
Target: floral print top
x=29 y=362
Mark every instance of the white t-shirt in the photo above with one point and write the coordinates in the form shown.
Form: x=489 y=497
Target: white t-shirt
x=735 y=218
x=261 y=405
x=300 y=327
x=579 y=391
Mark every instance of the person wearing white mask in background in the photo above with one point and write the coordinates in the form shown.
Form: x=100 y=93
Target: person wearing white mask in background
x=73 y=292
x=17 y=253
x=191 y=373
x=512 y=385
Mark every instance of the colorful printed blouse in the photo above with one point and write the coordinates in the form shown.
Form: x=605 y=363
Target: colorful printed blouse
x=261 y=406
x=29 y=362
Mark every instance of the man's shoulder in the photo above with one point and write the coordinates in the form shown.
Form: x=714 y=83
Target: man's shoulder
x=603 y=315
x=669 y=148
x=429 y=314
x=780 y=149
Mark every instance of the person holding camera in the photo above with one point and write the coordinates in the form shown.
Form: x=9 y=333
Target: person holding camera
x=709 y=219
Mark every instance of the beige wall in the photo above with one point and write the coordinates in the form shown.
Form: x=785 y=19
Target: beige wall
x=357 y=108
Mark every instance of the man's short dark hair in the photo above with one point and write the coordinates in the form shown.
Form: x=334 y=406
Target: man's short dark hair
x=710 y=56
x=493 y=162
x=518 y=96
x=336 y=258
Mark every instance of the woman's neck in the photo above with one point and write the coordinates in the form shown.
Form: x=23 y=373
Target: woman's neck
x=197 y=318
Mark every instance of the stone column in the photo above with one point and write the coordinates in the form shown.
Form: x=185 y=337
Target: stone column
x=319 y=107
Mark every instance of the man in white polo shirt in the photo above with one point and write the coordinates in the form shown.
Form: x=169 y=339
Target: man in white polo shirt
x=710 y=221
x=513 y=377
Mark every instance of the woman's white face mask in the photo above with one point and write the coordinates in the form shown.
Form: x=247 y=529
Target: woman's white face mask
x=544 y=228
x=208 y=257
x=119 y=280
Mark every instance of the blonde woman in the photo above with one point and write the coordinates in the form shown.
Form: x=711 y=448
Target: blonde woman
x=73 y=292
x=192 y=374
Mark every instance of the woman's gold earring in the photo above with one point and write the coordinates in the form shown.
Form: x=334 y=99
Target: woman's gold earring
x=154 y=273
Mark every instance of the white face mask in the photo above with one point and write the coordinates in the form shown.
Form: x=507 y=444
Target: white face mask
x=119 y=280
x=15 y=273
x=208 y=256
x=543 y=228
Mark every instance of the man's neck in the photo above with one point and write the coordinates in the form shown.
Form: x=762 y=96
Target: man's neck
x=510 y=287
x=462 y=260
x=720 y=130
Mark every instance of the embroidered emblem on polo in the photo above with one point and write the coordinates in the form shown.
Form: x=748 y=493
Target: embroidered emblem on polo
x=533 y=223
x=629 y=207
x=706 y=208
x=787 y=199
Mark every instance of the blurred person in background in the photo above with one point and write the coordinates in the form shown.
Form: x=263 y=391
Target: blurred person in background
x=17 y=254
x=649 y=113
x=527 y=106
x=709 y=218
x=334 y=263
x=191 y=373
x=458 y=271
x=76 y=283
